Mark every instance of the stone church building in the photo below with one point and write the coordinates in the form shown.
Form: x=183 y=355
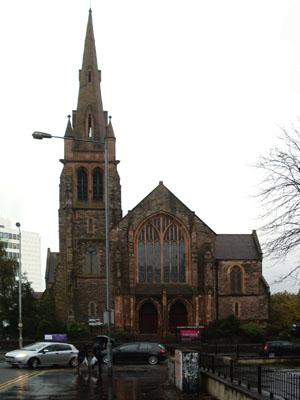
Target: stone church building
x=168 y=268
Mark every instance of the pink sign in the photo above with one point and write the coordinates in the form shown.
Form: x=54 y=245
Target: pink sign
x=189 y=333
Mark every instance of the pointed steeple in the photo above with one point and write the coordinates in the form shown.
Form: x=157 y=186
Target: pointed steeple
x=111 y=140
x=69 y=129
x=110 y=130
x=89 y=121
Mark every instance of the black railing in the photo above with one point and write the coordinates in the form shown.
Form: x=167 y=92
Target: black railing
x=261 y=379
x=237 y=350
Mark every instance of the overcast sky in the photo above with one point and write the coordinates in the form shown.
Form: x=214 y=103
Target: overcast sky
x=197 y=90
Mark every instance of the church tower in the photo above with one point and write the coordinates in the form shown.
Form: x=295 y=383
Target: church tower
x=79 y=289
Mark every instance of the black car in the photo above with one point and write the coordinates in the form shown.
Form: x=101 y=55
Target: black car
x=280 y=348
x=138 y=352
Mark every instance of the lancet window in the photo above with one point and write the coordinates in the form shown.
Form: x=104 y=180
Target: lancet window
x=236 y=280
x=97 y=184
x=82 y=184
x=90 y=126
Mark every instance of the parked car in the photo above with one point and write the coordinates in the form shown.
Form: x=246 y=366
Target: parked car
x=103 y=339
x=42 y=354
x=280 y=348
x=138 y=352
x=295 y=329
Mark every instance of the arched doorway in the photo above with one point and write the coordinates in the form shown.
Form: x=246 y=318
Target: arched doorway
x=177 y=316
x=148 y=318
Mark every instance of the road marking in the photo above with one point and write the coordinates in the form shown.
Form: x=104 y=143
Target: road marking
x=20 y=378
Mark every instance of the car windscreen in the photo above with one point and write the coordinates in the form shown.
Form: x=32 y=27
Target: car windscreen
x=34 y=346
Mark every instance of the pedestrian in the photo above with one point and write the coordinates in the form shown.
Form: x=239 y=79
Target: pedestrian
x=97 y=352
x=82 y=357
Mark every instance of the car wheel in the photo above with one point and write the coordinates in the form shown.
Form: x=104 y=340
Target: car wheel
x=105 y=360
x=33 y=363
x=152 y=360
x=272 y=355
x=73 y=362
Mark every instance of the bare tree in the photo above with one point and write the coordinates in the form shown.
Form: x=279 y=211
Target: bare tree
x=280 y=197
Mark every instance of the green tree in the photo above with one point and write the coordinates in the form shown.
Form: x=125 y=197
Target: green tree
x=227 y=329
x=252 y=332
x=9 y=300
x=47 y=321
x=8 y=268
x=285 y=310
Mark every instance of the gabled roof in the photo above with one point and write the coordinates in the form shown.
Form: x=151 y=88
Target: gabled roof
x=238 y=247
x=158 y=190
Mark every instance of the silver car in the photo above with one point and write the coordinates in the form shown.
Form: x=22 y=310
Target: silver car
x=43 y=353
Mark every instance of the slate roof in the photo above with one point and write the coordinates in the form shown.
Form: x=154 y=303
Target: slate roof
x=238 y=247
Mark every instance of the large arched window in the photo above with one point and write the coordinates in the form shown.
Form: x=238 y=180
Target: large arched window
x=82 y=184
x=162 y=250
x=97 y=184
x=236 y=280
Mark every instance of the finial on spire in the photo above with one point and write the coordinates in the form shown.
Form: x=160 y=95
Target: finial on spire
x=69 y=117
x=110 y=117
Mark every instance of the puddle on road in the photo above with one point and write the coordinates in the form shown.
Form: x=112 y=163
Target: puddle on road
x=133 y=384
x=127 y=383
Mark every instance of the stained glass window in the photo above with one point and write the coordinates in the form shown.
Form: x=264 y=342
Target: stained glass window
x=162 y=250
x=82 y=184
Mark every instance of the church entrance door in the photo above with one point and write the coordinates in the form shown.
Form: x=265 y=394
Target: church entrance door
x=148 y=318
x=177 y=316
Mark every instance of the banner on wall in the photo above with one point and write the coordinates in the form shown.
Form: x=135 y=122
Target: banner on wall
x=189 y=333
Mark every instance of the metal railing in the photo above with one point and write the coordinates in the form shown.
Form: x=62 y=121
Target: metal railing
x=237 y=350
x=270 y=382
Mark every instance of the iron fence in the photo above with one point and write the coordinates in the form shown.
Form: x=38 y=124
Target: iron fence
x=271 y=382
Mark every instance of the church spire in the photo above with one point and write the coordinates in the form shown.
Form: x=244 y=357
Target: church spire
x=89 y=120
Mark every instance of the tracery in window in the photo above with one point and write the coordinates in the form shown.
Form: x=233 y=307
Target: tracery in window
x=162 y=249
x=82 y=184
x=236 y=280
x=97 y=184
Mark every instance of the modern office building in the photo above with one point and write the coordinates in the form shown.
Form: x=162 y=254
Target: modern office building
x=30 y=251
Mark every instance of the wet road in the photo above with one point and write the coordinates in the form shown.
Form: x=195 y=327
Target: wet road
x=127 y=383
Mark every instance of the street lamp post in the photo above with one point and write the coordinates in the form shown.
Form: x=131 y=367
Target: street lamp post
x=44 y=135
x=20 y=324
